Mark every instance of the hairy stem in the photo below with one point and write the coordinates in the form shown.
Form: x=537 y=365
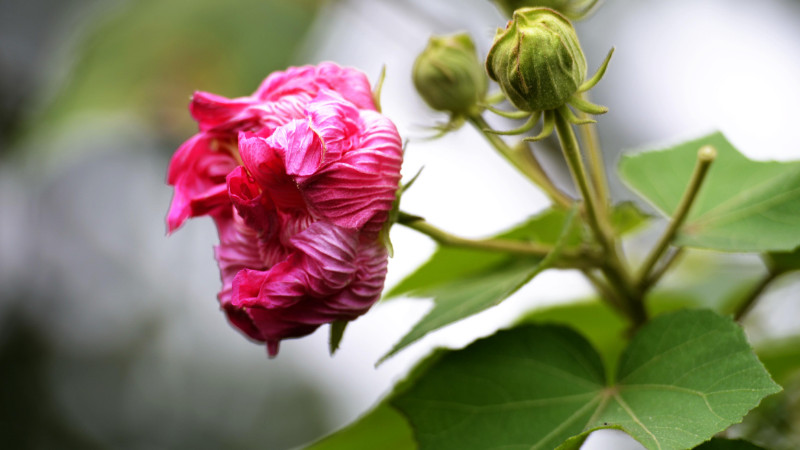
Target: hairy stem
x=572 y=153
x=613 y=268
x=526 y=164
x=705 y=156
x=597 y=166
x=607 y=294
x=567 y=258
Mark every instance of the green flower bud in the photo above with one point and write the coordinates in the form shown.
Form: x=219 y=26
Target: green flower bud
x=537 y=60
x=449 y=76
x=572 y=9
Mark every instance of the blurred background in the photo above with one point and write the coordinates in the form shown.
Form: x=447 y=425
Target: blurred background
x=110 y=334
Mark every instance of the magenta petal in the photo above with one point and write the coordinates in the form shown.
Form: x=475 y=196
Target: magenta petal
x=329 y=257
x=358 y=190
x=299 y=179
x=198 y=174
x=322 y=263
x=352 y=84
x=264 y=160
x=238 y=249
x=330 y=276
x=241 y=319
x=211 y=110
x=366 y=287
x=274 y=327
x=300 y=148
x=292 y=81
x=335 y=122
x=253 y=205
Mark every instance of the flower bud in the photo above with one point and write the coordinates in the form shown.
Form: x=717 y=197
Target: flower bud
x=572 y=9
x=537 y=60
x=449 y=76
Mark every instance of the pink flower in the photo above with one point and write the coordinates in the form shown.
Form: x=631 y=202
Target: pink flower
x=299 y=178
x=199 y=166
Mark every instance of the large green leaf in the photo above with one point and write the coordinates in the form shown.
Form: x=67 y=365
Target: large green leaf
x=463 y=282
x=781 y=357
x=743 y=205
x=381 y=428
x=450 y=265
x=783 y=261
x=148 y=56
x=600 y=325
x=684 y=377
x=706 y=282
x=466 y=282
x=728 y=444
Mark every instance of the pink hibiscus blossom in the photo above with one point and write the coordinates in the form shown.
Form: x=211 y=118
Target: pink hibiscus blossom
x=299 y=178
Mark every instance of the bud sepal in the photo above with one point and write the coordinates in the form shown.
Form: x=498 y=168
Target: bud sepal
x=572 y=9
x=450 y=77
x=539 y=65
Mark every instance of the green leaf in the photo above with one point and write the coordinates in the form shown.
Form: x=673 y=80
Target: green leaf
x=706 y=287
x=783 y=261
x=626 y=218
x=684 y=377
x=743 y=205
x=463 y=283
x=601 y=326
x=336 y=334
x=728 y=444
x=382 y=428
x=449 y=265
x=781 y=357
x=147 y=57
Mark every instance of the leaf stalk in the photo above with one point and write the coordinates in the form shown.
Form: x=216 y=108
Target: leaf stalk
x=527 y=165
x=705 y=157
x=568 y=258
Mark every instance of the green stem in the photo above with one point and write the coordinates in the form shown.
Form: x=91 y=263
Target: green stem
x=597 y=166
x=747 y=305
x=581 y=258
x=572 y=153
x=705 y=156
x=526 y=164
x=658 y=272
x=613 y=269
x=606 y=294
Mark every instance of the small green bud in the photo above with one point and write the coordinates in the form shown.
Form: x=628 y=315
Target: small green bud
x=572 y=9
x=537 y=60
x=449 y=76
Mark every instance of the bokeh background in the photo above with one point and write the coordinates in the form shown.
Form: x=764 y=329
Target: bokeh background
x=110 y=334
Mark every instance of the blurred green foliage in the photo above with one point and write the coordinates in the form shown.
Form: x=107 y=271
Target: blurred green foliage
x=148 y=56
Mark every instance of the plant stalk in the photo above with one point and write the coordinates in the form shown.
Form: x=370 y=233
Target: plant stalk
x=597 y=168
x=705 y=156
x=527 y=165
x=580 y=258
x=747 y=305
x=613 y=269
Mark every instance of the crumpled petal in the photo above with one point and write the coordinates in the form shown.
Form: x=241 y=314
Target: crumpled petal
x=211 y=111
x=253 y=205
x=299 y=179
x=350 y=83
x=330 y=275
x=264 y=160
x=321 y=263
x=198 y=173
x=358 y=190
